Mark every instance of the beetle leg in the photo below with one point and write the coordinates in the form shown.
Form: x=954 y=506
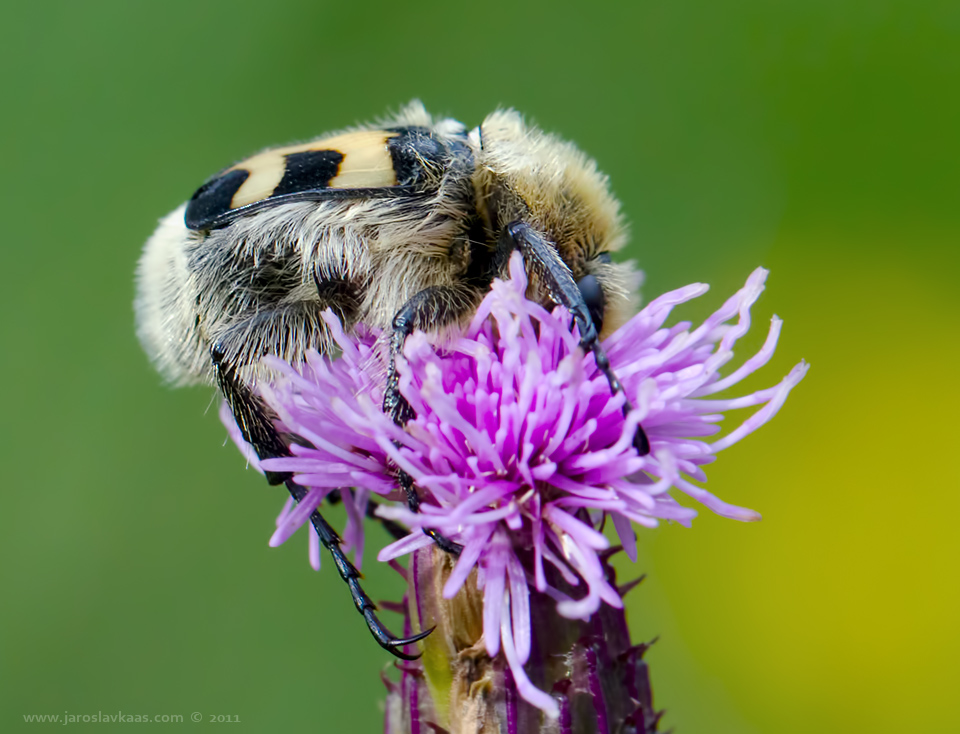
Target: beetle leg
x=260 y=432
x=553 y=272
x=431 y=308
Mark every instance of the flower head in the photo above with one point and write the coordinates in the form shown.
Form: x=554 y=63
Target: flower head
x=518 y=447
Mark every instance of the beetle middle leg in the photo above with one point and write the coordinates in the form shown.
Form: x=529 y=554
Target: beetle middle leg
x=431 y=308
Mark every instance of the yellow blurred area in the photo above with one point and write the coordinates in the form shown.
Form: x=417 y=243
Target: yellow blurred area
x=840 y=607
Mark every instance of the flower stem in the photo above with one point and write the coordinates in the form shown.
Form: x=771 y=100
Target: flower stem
x=599 y=681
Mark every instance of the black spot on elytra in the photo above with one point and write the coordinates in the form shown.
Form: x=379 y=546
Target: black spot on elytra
x=309 y=170
x=213 y=199
x=415 y=152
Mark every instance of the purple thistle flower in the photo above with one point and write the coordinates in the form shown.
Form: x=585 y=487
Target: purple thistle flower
x=519 y=448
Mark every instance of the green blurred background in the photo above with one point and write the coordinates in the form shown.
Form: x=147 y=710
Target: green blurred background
x=817 y=138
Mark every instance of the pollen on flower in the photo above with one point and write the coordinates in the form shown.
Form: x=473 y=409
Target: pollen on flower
x=518 y=447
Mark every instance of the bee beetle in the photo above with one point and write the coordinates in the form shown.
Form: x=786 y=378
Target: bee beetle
x=400 y=225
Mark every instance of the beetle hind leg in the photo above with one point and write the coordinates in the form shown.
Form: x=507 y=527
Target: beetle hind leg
x=259 y=431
